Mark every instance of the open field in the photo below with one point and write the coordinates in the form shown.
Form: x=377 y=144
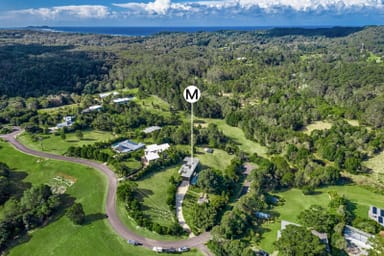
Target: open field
x=219 y=159
x=238 y=136
x=56 y=145
x=296 y=201
x=376 y=165
x=153 y=190
x=155 y=105
x=62 y=237
x=71 y=107
x=318 y=125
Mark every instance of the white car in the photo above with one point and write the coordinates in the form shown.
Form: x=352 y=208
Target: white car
x=157 y=249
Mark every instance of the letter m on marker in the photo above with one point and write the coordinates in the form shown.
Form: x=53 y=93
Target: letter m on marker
x=191 y=96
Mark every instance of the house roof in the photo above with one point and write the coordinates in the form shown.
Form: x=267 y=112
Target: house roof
x=123 y=100
x=189 y=167
x=126 y=146
x=156 y=148
x=151 y=129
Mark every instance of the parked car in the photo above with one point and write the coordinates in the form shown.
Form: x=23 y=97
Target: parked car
x=170 y=250
x=134 y=242
x=157 y=249
x=183 y=249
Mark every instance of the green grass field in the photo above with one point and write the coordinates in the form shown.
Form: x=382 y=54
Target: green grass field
x=62 y=237
x=56 y=145
x=296 y=201
x=238 y=136
x=219 y=159
x=155 y=105
x=376 y=165
x=318 y=125
x=153 y=190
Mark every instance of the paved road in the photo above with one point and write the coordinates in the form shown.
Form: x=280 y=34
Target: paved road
x=115 y=222
x=180 y=194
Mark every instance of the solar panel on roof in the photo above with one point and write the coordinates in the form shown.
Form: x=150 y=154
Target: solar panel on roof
x=374 y=210
x=382 y=213
x=380 y=220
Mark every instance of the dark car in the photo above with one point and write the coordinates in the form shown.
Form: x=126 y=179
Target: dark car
x=134 y=242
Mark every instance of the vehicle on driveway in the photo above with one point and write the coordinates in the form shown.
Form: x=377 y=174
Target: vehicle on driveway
x=134 y=242
x=183 y=249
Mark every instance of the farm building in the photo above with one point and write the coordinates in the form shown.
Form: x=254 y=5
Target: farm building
x=106 y=94
x=126 y=146
x=151 y=152
x=123 y=100
x=188 y=168
x=92 y=108
x=151 y=129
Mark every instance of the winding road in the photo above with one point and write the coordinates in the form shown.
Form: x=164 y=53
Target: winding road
x=114 y=220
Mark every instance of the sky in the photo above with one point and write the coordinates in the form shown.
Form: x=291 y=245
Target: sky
x=18 y=13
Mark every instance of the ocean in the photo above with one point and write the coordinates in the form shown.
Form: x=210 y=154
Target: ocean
x=146 y=31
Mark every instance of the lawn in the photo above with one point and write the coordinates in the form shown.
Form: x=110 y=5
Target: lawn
x=62 y=237
x=153 y=189
x=238 y=136
x=376 y=165
x=318 y=125
x=219 y=159
x=296 y=201
x=155 y=105
x=56 y=145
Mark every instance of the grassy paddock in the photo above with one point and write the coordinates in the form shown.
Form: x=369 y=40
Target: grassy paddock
x=238 y=136
x=296 y=201
x=318 y=125
x=219 y=159
x=56 y=145
x=153 y=190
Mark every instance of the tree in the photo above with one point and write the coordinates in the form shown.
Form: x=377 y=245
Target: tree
x=318 y=218
x=76 y=213
x=210 y=181
x=377 y=243
x=62 y=134
x=296 y=240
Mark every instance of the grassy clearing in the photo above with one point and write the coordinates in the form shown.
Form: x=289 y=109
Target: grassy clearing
x=238 y=136
x=71 y=107
x=376 y=165
x=318 y=125
x=153 y=189
x=56 y=145
x=155 y=105
x=62 y=237
x=296 y=201
x=219 y=159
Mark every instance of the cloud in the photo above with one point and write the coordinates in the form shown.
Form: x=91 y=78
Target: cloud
x=77 y=11
x=163 y=7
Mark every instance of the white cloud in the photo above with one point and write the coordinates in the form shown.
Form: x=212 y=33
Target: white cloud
x=163 y=7
x=78 y=11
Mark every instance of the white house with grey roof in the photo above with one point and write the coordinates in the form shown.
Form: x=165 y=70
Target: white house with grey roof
x=151 y=152
x=188 y=168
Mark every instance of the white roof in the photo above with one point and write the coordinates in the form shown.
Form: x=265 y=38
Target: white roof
x=106 y=94
x=94 y=107
x=157 y=148
x=150 y=156
x=121 y=100
x=151 y=129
